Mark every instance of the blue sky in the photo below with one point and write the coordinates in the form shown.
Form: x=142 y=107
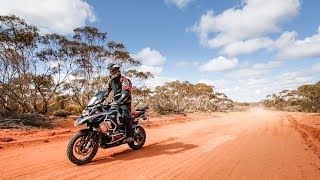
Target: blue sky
x=245 y=48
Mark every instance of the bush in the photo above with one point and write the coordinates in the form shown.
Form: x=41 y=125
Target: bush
x=180 y=97
x=25 y=121
x=5 y=113
x=73 y=109
x=61 y=113
x=53 y=107
x=296 y=108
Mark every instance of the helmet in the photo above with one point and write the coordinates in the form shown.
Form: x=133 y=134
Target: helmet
x=114 y=70
x=113 y=66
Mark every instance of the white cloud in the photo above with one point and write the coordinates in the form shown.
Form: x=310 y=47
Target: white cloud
x=151 y=60
x=315 y=68
x=216 y=83
x=51 y=16
x=181 y=4
x=236 y=88
x=251 y=45
x=255 y=19
x=254 y=71
x=247 y=73
x=246 y=47
x=152 y=69
x=293 y=79
x=274 y=84
x=219 y=64
x=252 y=89
x=286 y=46
x=285 y=39
x=242 y=30
x=150 y=57
x=224 y=85
x=253 y=83
x=206 y=81
x=158 y=81
x=268 y=65
x=298 y=49
x=240 y=90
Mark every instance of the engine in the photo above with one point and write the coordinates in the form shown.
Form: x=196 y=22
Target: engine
x=110 y=128
x=111 y=122
x=105 y=126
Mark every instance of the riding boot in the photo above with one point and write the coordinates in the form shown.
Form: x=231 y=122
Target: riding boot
x=130 y=133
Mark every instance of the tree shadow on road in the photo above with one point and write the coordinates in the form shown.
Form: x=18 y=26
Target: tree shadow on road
x=145 y=152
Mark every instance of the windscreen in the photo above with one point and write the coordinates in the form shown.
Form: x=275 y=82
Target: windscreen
x=97 y=98
x=92 y=101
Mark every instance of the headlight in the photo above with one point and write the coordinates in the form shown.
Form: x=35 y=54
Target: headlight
x=85 y=112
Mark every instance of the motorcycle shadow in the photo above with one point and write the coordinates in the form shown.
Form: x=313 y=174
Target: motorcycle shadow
x=145 y=152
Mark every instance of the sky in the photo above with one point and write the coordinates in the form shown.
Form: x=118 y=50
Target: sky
x=246 y=49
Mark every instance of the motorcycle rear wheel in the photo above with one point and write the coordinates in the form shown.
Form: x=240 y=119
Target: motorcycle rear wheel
x=139 y=138
x=76 y=152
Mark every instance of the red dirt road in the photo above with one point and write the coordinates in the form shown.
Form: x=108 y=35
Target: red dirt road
x=245 y=145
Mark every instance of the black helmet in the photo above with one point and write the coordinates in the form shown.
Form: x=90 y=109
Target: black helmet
x=113 y=66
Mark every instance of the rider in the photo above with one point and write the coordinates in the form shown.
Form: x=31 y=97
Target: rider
x=121 y=85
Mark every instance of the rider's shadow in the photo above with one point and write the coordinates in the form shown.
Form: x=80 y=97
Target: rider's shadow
x=145 y=152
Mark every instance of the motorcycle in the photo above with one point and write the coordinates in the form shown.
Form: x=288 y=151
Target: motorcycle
x=105 y=129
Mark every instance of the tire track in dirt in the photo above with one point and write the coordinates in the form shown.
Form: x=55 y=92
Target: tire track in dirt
x=310 y=135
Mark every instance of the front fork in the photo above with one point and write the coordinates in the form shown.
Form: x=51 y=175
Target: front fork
x=90 y=138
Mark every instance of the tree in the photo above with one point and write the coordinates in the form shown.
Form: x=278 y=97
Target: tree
x=35 y=69
x=56 y=60
x=179 y=97
x=18 y=43
x=305 y=98
x=94 y=53
x=311 y=96
x=141 y=95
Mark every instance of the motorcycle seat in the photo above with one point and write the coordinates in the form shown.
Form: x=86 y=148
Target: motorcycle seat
x=142 y=108
x=136 y=114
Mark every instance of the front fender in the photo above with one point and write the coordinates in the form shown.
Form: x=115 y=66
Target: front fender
x=80 y=121
x=85 y=130
x=86 y=119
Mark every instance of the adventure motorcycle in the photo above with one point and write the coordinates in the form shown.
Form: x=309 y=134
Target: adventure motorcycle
x=105 y=129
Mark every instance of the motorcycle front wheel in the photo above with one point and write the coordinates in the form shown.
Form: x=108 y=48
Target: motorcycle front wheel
x=78 y=151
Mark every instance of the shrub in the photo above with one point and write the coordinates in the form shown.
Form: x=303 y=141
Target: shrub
x=180 y=97
x=296 y=108
x=25 y=121
x=53 y=107
x=73 y=109
x=5 y=113
x=61 y=113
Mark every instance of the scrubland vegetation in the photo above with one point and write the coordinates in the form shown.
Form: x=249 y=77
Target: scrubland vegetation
x=306 y=98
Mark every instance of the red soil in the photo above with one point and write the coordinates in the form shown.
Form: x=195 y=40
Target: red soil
x=257 y=144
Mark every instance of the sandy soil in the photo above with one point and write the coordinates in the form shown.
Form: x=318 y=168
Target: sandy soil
x=257 y=144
